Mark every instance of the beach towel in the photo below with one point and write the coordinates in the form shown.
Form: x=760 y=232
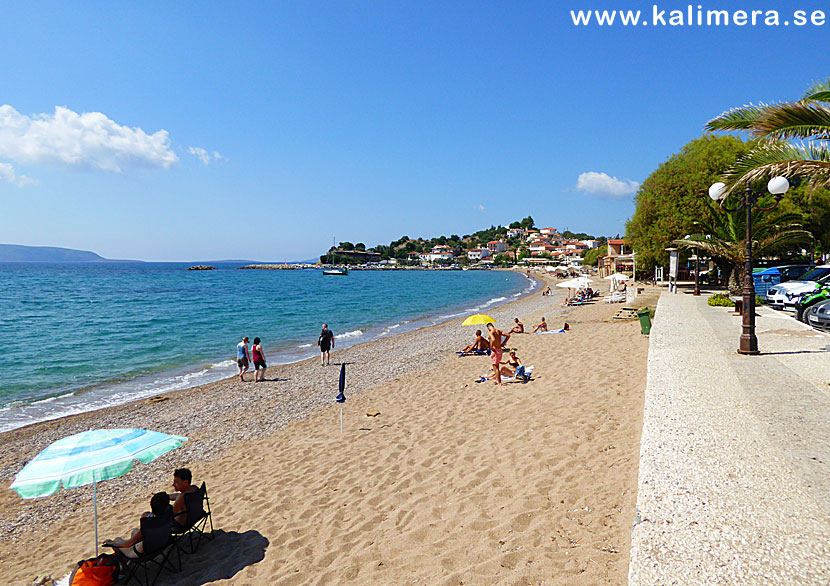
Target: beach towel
x=562 y=331
x=527 y=371
x=473 y=353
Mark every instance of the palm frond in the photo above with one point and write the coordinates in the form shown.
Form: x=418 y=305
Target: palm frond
x=781 y=158
x=738 y=118
x=815 y=88
x=822 y=96
x=793 y=120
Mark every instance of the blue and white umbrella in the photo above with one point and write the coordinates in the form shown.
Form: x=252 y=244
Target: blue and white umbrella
x=90 y=457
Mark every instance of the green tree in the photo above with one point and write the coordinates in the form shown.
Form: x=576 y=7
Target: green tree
x=515 y=225
x=674 y=196
x=360 y=246
x=346 y=246
x=591 y=256
x=527 y=223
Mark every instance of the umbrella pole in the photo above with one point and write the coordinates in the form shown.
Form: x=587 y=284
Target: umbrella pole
x=341 y=419
x=95 y=513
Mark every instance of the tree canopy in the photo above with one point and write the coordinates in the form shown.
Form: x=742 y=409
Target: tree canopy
x=672 y=198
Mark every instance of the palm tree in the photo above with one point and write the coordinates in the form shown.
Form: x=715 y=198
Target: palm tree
x=723 y=236
x=777 y=126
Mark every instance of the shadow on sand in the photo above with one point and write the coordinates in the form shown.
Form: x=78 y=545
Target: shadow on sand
x=219 y=559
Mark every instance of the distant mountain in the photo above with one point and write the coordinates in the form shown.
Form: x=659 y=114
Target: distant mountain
x=20 y=253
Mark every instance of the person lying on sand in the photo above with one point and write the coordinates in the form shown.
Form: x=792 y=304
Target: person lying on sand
x=182 y=478
x=134 y=546
x=480 y=343
x=519 y=328
x=542 y=327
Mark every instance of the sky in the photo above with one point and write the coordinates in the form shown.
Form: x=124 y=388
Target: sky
x=262 y=130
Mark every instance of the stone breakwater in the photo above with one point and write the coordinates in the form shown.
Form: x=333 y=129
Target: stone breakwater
x=222 y=414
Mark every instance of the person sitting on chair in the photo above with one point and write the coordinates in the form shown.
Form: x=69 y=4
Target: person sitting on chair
x=182 y=477
x=133 y=547
x=480 y=343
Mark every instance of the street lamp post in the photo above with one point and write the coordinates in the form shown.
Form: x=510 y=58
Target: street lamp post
x=777 y=186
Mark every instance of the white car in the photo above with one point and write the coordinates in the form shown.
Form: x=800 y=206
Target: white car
x=786 y=295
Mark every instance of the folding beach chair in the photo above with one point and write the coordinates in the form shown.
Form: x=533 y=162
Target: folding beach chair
x=157 y=544
x=197 y=507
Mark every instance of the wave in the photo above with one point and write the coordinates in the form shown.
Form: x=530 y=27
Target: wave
x=304 y=346
x=352 y=334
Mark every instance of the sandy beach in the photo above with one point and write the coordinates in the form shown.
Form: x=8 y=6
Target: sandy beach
x=454 y=482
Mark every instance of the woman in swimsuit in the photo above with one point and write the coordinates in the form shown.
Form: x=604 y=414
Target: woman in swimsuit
x=258 y=354
x=509 y=366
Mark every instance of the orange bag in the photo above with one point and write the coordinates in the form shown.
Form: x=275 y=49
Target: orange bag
x=100 y=571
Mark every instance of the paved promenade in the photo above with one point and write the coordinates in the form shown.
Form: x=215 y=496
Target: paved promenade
x=734 y=480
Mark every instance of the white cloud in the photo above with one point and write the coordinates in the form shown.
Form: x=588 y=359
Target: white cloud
x=604 y=186
x=8 y=175
x=479 y=207
x=203 y=155
x=88 y=140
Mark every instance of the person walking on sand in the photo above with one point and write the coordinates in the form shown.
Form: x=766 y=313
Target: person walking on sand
x=258 y=355
x=497 y=340
x=519 y=328
x=243 y=357
x=326 y=343
x=543 y=326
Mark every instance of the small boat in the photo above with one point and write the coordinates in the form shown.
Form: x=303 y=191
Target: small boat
x=343 y=271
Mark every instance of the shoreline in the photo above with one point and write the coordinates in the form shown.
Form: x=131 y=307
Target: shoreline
x=184 y=377
x=537 y=478
x=168 y=411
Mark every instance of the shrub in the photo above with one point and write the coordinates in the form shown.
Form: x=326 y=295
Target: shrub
x=720 y=300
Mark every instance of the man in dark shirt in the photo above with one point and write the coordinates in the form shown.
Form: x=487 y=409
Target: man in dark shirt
x=326 y=343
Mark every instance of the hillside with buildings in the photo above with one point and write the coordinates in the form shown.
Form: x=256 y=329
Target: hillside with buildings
x=520 y=242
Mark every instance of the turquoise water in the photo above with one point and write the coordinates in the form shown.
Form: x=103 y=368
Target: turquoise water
x=83 y=336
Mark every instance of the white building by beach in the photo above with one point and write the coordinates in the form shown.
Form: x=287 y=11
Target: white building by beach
x=478 y=253
x=496 y=246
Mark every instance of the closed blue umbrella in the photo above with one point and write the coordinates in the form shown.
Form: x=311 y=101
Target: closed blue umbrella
x=89 y=457
x=341 y=397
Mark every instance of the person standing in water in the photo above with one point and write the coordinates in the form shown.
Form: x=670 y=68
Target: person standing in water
x=243 y=357
x=326 y=343
x=258 y=355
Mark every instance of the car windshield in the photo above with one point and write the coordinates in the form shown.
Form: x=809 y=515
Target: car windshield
x=816 y=274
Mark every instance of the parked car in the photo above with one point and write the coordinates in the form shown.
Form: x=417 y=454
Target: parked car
x=819 y=294
x=784 y=295
x=818 y=316
x=766 y=278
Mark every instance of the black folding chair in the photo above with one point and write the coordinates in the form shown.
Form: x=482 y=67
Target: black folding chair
x=197 y=507
x=157 y=548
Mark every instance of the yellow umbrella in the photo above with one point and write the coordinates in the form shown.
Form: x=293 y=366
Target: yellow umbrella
x=478 y=319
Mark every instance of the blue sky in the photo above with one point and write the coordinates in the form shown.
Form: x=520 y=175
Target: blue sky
x=196 y=131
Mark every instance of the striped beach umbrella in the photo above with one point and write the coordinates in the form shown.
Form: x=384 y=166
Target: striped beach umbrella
x=88 y=458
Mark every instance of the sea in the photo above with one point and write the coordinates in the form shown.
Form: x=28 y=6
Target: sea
x=78 y=337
